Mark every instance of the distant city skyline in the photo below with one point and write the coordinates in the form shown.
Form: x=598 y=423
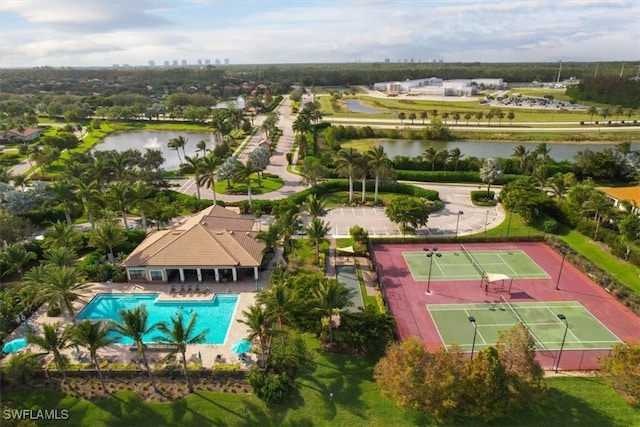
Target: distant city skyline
x=100 y=33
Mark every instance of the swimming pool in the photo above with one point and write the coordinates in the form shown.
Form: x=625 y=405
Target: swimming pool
x=215 y=315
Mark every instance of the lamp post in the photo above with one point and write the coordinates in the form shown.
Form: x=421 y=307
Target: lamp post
x=431 y=253
x=564 y=337
x=458 y=223
x=564 y=255
x=486 y=221
x=475 y=332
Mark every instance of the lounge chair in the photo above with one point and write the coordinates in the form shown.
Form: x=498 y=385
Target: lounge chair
x=183 y=291
x=173 y=290
x=190 y=290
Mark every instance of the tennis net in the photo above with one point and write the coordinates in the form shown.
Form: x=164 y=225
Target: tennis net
x=473 y=261
x=515 y=314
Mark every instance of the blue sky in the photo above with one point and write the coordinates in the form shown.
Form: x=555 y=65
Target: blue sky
x=105 y=32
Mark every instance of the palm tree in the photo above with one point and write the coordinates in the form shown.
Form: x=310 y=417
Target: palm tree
x=191 y=165
x=280 y=302
x=289 y=224
x=412 y=117
x=89 y=195
x=560 y=184
x=592 y=111
x=174 y=144
x=64 y=195
x=121 y=165
x=179 y=336
x=53 y=340
x=120 y=196
x=490 y=172
x=456 y=117
x=467 y=117
x=430 y=155
x=441 y=157
x=107 y=235
x=61 y=287
x=93 y=336
x=140 y=198
x=100 y=171
x=479 y=116
x=455 y=155
x=271 y=237
x=445 y=116
x=423 y=116
x=16 y=256
x=243 y=172
x=346 y=163
x=315 y=207
x=511 y=115
x=520 y=153
x=61 y=235
x=317 y=230
x=208 y=169
x=380 y=166
x=202 y=147
x=260 y=326
x=60 y=256
x=617 y=111
x=601 y=207
x=402 y=116
x=135 y=325
x=329 y=296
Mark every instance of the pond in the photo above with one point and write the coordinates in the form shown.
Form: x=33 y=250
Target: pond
x=484 y=149
x=357 y=107
x=145 y=139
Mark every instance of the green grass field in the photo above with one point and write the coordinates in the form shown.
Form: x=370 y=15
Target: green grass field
x=455 y=265
x=584 y=331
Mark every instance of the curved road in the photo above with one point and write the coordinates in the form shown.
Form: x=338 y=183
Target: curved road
x=456 y=198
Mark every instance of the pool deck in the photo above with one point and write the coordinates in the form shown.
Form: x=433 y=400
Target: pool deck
x=246 y=291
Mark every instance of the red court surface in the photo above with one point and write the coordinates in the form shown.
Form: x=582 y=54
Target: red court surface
x=407 y=299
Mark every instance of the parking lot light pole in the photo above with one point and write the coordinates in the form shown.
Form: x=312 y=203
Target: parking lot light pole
x=564 y=337
x=431 y=253
x=475 y=332
x=458 y=223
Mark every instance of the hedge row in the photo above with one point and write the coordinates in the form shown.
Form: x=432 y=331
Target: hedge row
x=449 y=176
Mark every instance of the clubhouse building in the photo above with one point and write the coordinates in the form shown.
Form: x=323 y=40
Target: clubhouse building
x=216 y=244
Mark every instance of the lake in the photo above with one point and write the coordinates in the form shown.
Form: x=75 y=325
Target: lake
x=357 y=107
x=484 y=149
x=144 y=139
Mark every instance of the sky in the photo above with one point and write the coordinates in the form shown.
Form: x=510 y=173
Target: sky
x=95 y=33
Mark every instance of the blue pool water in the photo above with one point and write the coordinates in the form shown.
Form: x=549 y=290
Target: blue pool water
x=215 y=315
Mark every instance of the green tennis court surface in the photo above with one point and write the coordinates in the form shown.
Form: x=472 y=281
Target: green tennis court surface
x=456 y=265
x=585 y=332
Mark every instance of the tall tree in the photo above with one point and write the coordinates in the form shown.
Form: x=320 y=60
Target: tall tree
x=315 y=207
x=380 y=166
x=454 y=156
x=64 y=195
x=54 y=339
x=208 y=170
x=134 y=323
x=317 y=231
x=280 y=302
x=191 y=165
x=119 y=196
x=242 y=173
x=260 y=326
x=179 y=335
x=560 y=184
x=140 y=199
x=61 y=287
x=521 y=154
x=490 y=172
x=329 y=296
x=93 y=336
x=346 y=163
x=107 y=235
x=430 y=156
x=16 y=257
x=621 y=369
x=485 y=394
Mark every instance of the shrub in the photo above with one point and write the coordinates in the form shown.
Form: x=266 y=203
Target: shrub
x=271 y=387
x=53 y=310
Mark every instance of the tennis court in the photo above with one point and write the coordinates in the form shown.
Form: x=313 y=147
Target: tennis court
x=472 y=265
x=584 y=332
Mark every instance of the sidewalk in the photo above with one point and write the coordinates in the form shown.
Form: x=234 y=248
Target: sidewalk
x=361 y=263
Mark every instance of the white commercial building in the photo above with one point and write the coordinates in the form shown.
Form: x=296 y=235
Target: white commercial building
x=434 y=86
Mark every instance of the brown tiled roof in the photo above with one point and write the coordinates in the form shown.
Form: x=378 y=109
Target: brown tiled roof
x=631 y=194
x=221 y=238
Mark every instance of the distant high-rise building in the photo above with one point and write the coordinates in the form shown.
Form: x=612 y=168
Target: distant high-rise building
x=184 y=62
x=207 y=62
x=175 y=63
x=152 y=63
x=226 y=61
x=199 y=61
x=166 y=63
x=217 y=61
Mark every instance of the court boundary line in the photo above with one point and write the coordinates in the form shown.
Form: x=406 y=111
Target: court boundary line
x=536 y=304
x=544 y=275
x=476 y=328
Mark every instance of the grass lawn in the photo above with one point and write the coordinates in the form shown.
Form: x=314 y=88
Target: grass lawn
x=267 y=185
x=615 y=267
x=356 y=402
